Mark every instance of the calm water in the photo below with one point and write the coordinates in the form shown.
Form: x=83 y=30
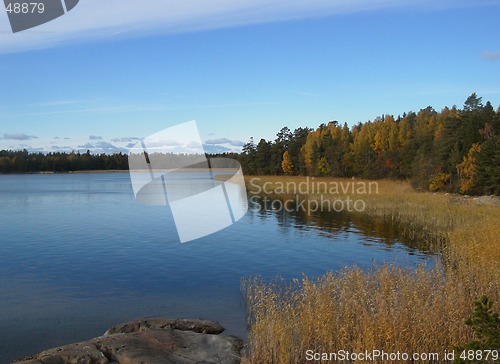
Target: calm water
x=78 y=254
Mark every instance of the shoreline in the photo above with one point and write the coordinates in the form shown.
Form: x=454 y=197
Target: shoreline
x=228 y=170
x=445 y=221
x=68 y=172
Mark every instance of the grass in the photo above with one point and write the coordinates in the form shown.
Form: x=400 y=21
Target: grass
x=387 y=307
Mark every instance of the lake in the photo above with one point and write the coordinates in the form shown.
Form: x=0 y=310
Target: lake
x=78 y=255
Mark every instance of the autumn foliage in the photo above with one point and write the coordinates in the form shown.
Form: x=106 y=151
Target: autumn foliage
x=455 y=150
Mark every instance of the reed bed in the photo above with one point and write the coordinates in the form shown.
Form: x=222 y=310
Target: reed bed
x=387 y=307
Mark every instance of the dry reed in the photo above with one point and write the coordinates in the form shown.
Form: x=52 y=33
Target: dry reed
x=386 y=308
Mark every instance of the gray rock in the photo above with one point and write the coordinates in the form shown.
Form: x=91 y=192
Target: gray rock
x=151 y=341
x=200 y=326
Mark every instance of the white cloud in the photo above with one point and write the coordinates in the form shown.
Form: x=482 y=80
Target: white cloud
x=234 y=143
x=218 y=141
x=37 y=150
x=194 y=145
x=215 y=149
x=124 y=140
x=237 y=143
x=57 y=148
x=101 y=147
x=96 y=146
x=96 y=19
x=95 y=137
x=18 y=136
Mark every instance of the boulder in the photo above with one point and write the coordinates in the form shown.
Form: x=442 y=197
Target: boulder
x=152 y=341
x=199 y=326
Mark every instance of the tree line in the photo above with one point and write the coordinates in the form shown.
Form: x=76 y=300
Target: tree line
x=25 y=162
x=454 y=150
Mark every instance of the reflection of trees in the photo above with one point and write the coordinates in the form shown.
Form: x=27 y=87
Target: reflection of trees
x=174 y=160
x=333 y=223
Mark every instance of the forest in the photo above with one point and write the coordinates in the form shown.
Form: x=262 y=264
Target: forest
x=25 y=162
x=454 y=150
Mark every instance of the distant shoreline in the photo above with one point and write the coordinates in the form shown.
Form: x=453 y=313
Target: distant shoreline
x=69 y=172
x=101 y=171
x=119 y=171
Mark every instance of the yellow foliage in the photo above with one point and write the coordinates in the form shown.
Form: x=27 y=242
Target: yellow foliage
x=438 y=181
x=467 y=170
x=286 y=164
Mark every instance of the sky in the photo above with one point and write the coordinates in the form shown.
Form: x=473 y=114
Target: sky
x=107 y=74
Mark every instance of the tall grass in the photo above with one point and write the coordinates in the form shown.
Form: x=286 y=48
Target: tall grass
x=385 y=308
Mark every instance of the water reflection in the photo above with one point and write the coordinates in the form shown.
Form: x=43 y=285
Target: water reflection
x=291 y=213
x=79 y=254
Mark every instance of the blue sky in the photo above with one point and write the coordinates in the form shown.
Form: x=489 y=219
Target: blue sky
x=98 y=80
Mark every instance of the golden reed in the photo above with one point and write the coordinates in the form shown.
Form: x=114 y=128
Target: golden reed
x=385 y=308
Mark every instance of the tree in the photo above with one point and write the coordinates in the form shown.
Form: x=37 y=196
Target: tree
x=473 y=103
x=286 y=164
x=488 y=167
x=262 y=157
x=279 y=146
x=284 y=136
x=294 y=147
x=247 y=157
x=467 y=170
x=324 y=167
x=486 y=325
x=249 y=147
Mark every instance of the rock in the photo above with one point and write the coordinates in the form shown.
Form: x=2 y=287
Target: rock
x=199 y=326
x=152 y=341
